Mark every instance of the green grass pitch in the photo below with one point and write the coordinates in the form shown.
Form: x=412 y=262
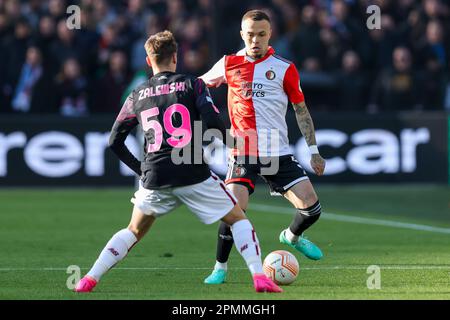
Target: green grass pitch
x=42 y=232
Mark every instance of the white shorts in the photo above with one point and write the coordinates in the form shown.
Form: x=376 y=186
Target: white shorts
x=209 y=200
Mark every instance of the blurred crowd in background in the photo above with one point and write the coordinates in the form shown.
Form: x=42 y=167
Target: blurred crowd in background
x=47 y=68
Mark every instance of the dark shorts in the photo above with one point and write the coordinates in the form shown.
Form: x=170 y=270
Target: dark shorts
x=244 y=171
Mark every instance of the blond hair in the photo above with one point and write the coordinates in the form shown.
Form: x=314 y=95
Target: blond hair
x=161 y=46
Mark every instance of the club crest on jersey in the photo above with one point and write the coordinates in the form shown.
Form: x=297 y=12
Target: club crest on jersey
x=270 y=75
x=239 y=171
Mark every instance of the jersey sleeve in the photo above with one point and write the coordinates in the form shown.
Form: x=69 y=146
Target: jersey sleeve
x=203 y=100
x=125 y=122
x=209 y=112
x=291 y=85
x=126 y=112
x=216 y=76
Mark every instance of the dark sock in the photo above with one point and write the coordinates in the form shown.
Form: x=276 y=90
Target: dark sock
x=224 y=243
x=305 y=218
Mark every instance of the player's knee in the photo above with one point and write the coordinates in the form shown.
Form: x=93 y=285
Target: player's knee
x=302 y=198
x=138 y=231
x=134 y=230
x=241 y=193
x=235 y=215
x=307 y=200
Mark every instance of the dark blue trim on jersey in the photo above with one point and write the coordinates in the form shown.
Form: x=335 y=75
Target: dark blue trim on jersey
x=282 y=59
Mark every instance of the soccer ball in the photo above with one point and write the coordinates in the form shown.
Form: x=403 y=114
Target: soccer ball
x=281 y=266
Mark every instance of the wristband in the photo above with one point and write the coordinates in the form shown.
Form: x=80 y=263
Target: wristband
x=313 y=149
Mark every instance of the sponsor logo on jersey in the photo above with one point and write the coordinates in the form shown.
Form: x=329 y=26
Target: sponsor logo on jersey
x=246 y=89
x=270 y=75
x=258 y=90
x=252 y=89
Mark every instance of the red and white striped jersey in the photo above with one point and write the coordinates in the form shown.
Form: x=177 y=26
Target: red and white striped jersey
x=258 y=95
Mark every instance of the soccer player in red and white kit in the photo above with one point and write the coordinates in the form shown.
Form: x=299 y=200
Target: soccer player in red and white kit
x=260 y=85
x=166 y=107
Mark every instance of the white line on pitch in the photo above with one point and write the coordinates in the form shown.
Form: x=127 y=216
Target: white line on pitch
x=360 y=267
x=355 y=219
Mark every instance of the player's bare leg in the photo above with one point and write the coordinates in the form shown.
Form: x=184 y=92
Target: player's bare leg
x=241 y=193
x=247 y=244
x=116 y=249
x=140 y=223
x=305 y=200
x=225 y=238
x=302 y=195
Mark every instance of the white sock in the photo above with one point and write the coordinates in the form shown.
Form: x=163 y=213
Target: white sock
x=290 y=236
x=247 y=244
x=116 y=249
x=220 y=265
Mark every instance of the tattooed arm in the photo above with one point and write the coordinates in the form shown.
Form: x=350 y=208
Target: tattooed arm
x=306 y=126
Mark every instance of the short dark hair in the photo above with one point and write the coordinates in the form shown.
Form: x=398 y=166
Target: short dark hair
x=256 y=15
x=161 y=46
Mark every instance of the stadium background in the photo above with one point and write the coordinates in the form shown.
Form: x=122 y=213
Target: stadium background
x=380 y=100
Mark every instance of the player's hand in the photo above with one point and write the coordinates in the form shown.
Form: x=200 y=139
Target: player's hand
x=318 y=164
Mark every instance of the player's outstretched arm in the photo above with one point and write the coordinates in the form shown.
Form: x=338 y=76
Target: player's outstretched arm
x=306 y=126
x=215 y=77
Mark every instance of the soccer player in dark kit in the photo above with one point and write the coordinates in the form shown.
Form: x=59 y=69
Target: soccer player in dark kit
x=166 y=107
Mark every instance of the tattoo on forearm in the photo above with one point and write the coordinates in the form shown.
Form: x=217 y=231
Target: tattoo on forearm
x=305 y=123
